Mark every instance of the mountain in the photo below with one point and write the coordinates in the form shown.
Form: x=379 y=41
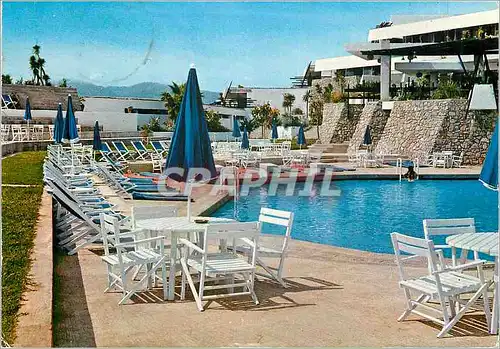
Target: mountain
x=142 y=90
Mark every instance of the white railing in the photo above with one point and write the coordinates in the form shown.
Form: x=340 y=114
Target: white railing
x=399 y=167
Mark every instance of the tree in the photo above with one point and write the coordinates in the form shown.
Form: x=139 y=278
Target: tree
x=327 y=93
x=297 y=111
x=173 y=99
x=316 y=114
x=6 y=79
x=340 y=79
x=213 y=121
x=307 y=98
x=154 y=124
x=288 y=100
x=249 y=124
x=40 y=77
x=264 y=115
x=63 y=83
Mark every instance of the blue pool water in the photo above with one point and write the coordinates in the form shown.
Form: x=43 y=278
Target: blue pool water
x=367 y=211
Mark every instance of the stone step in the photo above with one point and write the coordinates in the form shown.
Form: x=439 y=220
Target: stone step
x=330 y=148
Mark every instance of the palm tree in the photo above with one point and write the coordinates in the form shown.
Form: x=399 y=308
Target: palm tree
x=40 y=77
x=306 y=98
x=173 y=99
x=288 y=100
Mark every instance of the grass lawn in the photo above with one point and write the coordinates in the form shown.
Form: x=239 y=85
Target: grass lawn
x=19 y=216
x=23 y=168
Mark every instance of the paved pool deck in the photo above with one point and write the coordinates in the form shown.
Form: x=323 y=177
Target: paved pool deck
x=390 y=172
x=336 y=297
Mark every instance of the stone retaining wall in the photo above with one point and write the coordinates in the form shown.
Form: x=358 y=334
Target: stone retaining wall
x=346 y=125
x=420 y=128
x=413 y=127
x=339 y=122
x=332 y=113
x=470 y=134
x=43 y=97
x=372 y=116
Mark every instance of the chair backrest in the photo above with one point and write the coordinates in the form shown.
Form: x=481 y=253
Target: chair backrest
x=105 y=147
x=278 y=217
x=165 y=144
x=138 y=145
x=414 y=247
x=433 y=227
x=151 y=212
x=120 y=147
x=239 y=230
x=110 y=228
x=157 y=145
x=7 y=100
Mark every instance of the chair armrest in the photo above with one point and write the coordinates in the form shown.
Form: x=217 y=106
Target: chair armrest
x=189 y=244
x=137 y=242
x=461 y=266
x=133 y=233
x=248 y=242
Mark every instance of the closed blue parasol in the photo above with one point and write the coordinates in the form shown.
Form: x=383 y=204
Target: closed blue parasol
x=274 y=133
x=59 y=125
x=301 y=137
x=245 y=144
x=191 y=147
x=236 y=128
x=70 y=133
x=367 y=139
x=96 y=142
x=27 y=115
x=489 y=172
x=27 y=111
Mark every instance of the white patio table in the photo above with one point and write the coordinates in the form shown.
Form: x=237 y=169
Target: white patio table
x=175 y=226
x=486 y=243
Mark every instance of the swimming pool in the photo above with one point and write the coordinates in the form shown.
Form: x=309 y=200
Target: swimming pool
x=367 y=211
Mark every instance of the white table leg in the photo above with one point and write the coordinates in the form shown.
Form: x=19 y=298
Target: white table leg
x=494 y=318
x=173 y=261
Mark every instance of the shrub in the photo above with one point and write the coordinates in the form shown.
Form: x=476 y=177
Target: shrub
x=446 y=90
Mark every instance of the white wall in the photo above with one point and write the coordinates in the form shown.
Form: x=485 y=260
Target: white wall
x=275 y=97
x=110 y=121
x=286 y=132
x=214 y=136
x=108 y=104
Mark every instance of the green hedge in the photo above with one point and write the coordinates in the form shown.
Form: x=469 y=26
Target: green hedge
x=19 y=216
x=295 y=146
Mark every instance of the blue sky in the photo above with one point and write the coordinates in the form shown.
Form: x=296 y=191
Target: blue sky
x=252 y=44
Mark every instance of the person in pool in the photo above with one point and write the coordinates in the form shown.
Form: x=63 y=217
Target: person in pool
x=411 y=175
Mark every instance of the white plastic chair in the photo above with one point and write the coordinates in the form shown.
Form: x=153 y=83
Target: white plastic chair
x=279 y=218
x=5 y=132
x=456 y=160
x=444 y=284
x=221 y=265
x=446 y=227
x=250 y=159
x=147 y=253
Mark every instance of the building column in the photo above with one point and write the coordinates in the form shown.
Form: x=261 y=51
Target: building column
x=385 y=73
x=434 y=79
